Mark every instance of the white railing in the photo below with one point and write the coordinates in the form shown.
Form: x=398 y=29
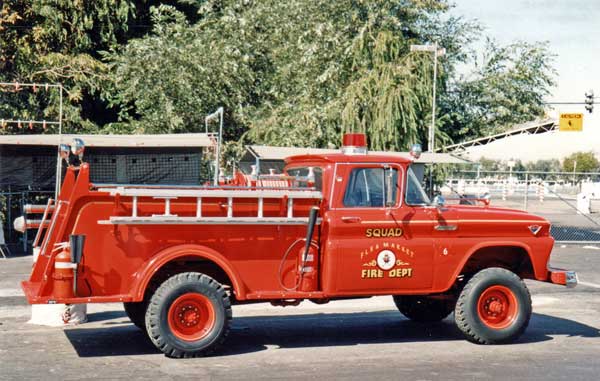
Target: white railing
x=169 y=194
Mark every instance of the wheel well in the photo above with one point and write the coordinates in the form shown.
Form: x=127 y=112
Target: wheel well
x=513 y=258
x=188 y=264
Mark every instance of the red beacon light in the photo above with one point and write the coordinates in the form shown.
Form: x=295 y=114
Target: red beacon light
x=354 y=144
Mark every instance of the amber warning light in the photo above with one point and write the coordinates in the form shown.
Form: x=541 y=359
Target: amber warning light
x=354 y=144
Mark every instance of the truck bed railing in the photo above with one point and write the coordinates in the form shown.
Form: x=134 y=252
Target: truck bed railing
x=169 y=194
x=95 y=186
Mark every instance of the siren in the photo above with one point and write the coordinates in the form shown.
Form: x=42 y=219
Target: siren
x=354 y=144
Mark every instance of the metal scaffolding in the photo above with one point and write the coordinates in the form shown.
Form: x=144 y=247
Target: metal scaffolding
x=16 y=86
x=533 y=129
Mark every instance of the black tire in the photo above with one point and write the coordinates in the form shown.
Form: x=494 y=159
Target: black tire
x=423 y=309
x=136 y=312
x=188 y=337
x=476 y=318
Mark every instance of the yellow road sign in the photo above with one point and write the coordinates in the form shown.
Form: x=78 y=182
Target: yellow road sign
x=571 y=122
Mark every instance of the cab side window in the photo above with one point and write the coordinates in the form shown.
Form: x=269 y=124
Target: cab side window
x=366 y=187
x=415 y=195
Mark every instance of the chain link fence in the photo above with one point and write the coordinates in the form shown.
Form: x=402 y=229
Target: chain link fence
x=569 y=200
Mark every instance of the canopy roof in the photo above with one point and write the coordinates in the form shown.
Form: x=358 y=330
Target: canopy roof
x=162 y=140
x=269 y=153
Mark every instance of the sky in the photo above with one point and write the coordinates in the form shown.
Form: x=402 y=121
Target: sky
x=572 y=28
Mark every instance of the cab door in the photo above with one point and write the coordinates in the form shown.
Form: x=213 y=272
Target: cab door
x=374 y=247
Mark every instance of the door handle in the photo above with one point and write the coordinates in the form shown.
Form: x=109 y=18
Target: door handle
x=349 y=219
x=446 y=227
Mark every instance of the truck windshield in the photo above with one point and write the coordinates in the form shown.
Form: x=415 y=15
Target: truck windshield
x=415 y=195
x=303 y=177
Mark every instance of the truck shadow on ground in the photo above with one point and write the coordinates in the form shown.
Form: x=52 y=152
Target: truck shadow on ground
x=252 y=334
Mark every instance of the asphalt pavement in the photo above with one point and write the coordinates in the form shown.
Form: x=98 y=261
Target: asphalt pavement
x=364 y=339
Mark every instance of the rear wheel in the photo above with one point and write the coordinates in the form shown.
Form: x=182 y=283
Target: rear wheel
x=136 y=312
x=494 y=307
x=423 y=309
x=188 y=315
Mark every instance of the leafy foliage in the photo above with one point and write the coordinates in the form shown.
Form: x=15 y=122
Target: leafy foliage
x=299 y=72
x=550 y=165
x=581 y=162
x=169 y=81
x=507 y=87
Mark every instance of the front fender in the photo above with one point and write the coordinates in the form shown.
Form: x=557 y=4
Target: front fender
x=142 y=278
x=540 y=274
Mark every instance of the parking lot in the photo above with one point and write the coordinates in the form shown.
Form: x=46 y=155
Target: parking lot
x=356 y=339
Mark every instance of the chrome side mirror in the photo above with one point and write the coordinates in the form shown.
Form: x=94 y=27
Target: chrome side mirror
x=487 y=198
x=439 y=200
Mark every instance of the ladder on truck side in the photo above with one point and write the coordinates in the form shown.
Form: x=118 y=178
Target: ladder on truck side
x=169 y=194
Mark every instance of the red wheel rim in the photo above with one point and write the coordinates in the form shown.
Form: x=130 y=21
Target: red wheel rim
x=497 y=307
x=191 y=317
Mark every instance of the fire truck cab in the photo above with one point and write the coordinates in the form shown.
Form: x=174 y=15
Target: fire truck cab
x=332 y=226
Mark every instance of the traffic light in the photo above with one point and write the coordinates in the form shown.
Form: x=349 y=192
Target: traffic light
x=589 y=101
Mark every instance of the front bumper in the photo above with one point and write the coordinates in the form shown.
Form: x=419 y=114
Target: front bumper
x=563 y=277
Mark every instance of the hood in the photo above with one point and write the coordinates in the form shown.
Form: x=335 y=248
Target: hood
x=490 y=221
x=482 y=212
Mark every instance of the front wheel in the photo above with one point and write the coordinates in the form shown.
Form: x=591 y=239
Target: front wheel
x=188 y=315
x=494 y=307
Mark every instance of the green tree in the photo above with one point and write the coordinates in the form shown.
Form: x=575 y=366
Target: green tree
x=311 y=70
x=168 y=81
x=519 y=166
x=490 y=164
x=550 y=165
x=581 y=162
x=299 y=72
x=62 y=41
x=507 y=87
x=52 y=41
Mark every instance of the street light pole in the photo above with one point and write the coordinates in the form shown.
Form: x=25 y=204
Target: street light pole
x=436 y=52
x=431 y=142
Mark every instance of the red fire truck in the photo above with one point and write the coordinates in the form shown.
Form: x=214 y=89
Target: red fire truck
x=332 y=226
